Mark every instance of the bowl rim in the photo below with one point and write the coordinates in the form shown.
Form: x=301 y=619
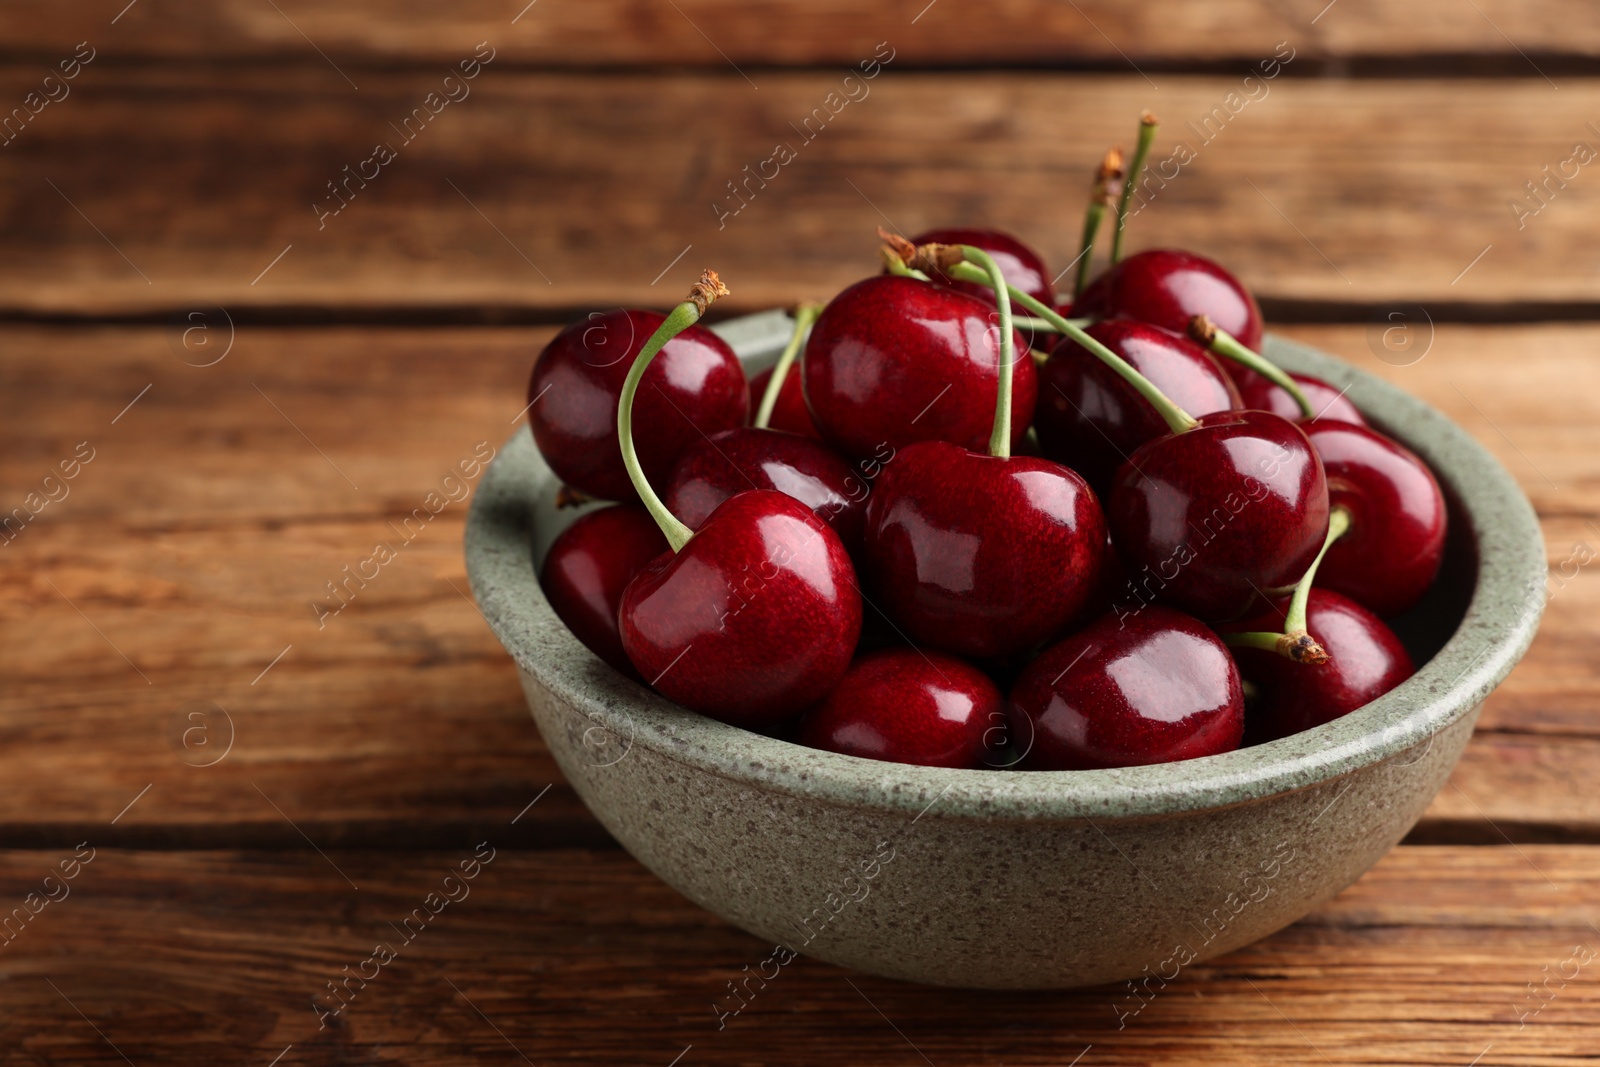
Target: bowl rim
x=1500 y=621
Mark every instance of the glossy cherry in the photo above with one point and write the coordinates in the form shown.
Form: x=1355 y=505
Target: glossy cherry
x=1398 y=519
x=978 y=555
x=1020 y=264
x=1366 y=660
x=736 y=461
x=589 y=565
x=1167 y=288
x=1328 y=404
x=753 y=620
x=790 y=413
x=1089 y=417
x=1155 y=686
x=907 y=705
x=1206 y=518
x=893 y=360
x=695 y=386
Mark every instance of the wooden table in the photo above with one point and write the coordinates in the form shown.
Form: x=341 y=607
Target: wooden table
x=250 y=390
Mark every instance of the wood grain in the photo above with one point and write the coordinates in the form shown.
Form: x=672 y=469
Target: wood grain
x=716 y=33
x=201 y=958
x=161 y=189
x=215 y=512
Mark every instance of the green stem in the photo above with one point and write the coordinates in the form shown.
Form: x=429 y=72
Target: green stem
x=1176 y=418
x=681 y=318
x=1024 y=322
x=1227 y=346
x=1141 y=152
x=1296 y=642
x=804 y=316
x=901 y=269
x=1000 y=436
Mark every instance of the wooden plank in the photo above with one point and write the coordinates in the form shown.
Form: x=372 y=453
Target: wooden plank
x=180 y=186
x=719 y=32
x=206 y=526
x=577 y=957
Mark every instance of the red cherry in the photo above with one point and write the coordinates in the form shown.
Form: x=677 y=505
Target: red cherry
x=1155 y=686
x=1392 y=551
x=753 y=620
x=905 y=705
x=1020 y=264
x=1206 y=518
x=1327 y=403
x=789 y=413
x=1366 y=660
x=587 y=568
x=979 y=555
x=736 y=461
x=893 y=360
x=695 y=386
x=1091 y=419
x=1167 y=288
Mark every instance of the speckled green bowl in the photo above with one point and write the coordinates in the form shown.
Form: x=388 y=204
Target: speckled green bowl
x=1009 y=879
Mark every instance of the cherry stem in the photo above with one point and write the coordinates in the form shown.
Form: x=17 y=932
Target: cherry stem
x=685 y=315
x=1024 y=322
x=1141 y=152
x=804 y=316
x=1099 y=200
x=1000 y=436
x=1176 y=418
x=1224 y=344
x=1295 y=642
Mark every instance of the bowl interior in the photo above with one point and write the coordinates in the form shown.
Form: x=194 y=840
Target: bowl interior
x=1466 y=635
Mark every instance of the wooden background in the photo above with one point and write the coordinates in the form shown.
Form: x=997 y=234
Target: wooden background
x=264 y=397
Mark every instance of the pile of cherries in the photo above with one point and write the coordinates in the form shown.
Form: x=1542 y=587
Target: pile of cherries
x=1192 y=550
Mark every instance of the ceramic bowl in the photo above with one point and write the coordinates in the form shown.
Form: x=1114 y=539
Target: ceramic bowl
x=1010 y=879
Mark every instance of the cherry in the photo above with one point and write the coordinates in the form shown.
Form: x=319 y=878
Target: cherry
x=982 y=555
x=735 y=461
x=1328 y=404
x=893 y=361
x=1395 y=543
x=1020 y=264
x=1091 y=419
x=905 y=705
x=587 y=568
x=754 y=616
x=1167 y=288
x=753 y=619
x=789 y=413
x=1366 y=660
x=1206 y=518
x=696 y=387
x=1155 y=686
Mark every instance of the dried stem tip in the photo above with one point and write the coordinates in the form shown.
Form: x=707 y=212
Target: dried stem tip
x=1203 y=330
x=1108 y=179
x=705 y=291
x=1148 y=118
x=1302 y=648
x=897 y=246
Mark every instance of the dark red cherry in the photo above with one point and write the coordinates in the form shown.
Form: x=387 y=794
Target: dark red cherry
x=1167 y=288
x=789 y=413
x=1366 y=660
x=1153 y=687
x=1207 y=518
x=1327 y=403
x=753 y=620
x=736 y=461
x=893 y=360
x=695 y=386
x=1090 y=419
x=1391 y=553
x=906 y=705
x=978 y=555
x=587 y=568
x=1020 y=264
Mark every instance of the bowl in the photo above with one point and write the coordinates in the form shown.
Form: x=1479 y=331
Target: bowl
x=1009 y=879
